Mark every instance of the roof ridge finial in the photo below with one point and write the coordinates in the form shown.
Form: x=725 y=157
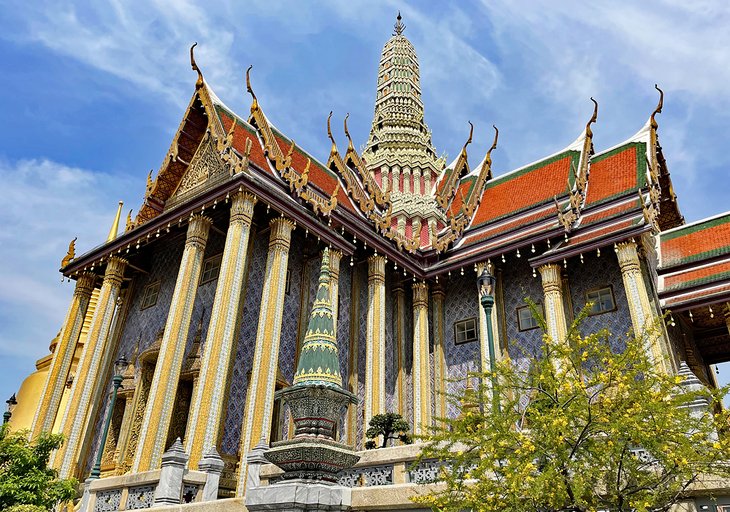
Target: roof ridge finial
x=658 y=109
x=399 y=26
x=195 y=67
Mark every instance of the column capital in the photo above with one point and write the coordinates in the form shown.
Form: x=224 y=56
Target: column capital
x=376 y=268
x=551 y=277
x=335 y=258
x=242 y=205
x=438 y=291
x=85 y=285
x=628 y=256
x=198 y=230
x=420 y=295
x=114 y=272
x=280 y=237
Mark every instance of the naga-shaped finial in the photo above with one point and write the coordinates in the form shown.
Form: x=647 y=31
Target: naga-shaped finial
x=658 y=109
x=594 y=117
x=255 y=102
x=347 y=134
x=399 y=26
x=128 y=224
x=70 y=254
x=150 y=183
x=471 y=134
x=195 y=67
x=329 y=129
x=494 y=144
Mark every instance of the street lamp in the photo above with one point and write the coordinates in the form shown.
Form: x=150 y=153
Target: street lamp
x=485 y=285
x=12 y=402
x=120 y=365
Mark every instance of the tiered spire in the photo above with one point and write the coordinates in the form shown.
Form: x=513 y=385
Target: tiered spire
x=399 y=135
x=318 y=360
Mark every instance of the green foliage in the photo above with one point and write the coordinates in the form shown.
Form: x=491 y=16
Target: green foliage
x=390 y=426
x=27 y=484
x=583 y=429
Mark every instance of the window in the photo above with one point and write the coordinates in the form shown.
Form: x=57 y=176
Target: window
x=465 y=331
x=149 y=295
x=525 y=319
x=211 y=268
x=602 y=300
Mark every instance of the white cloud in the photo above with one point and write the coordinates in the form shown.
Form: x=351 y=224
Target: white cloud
x=45 y=204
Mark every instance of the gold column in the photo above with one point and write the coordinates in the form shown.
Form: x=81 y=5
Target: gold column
x=642 y=316
x=421 y=366
x=163 y=390
x=400 y=345
x=260 y=394
x=55 y=384
x=438 y=295
x=375 y=342
x=87 y=385
x=335 y=258
x=206 y=418
x=552 y=286
x=483 y=341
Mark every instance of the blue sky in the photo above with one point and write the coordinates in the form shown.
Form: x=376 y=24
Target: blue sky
x=93 y=92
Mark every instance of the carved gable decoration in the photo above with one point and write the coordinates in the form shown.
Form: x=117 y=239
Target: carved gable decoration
x=205 y=170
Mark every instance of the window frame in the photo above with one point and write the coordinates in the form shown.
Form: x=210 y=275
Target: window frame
x=527 y=307
x=219 y=257
x=464 y=321
x=608 y=287
x=145 y=293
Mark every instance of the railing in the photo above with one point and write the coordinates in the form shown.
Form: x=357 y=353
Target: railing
x=137 y=491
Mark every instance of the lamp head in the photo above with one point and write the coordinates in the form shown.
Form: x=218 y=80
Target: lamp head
x=486 y=282
x=120 y=365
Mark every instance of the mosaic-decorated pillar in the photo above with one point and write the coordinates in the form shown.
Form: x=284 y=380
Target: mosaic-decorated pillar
x=163 y=391
x=552 y=286
x=260 y=394
x=399 y=302
x=375 y=341
x=438 y=296
x=642 y=316
x=206 y=416
x=335 y=258
x=421 y=366
x=483 y=331
x=63 y=356
x=87 y=385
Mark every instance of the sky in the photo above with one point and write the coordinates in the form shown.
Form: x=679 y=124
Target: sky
x=94 y=91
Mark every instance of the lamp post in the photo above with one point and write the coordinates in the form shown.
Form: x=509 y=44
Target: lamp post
x=119 y=366
x=485 y=285
x=12 y=402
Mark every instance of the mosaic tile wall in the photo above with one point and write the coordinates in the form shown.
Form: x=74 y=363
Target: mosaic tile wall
x=343 y=328
x=391 y=369
x=461 y=303
x=599 y=272
x=245 y=347
x=362 y=282
x=408 y=359
x=519 y=284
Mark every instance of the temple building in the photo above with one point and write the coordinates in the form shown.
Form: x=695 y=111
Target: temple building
x=208 y=289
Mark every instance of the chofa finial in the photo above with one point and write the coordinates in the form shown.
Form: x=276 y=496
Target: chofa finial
x=329 y=128
x=594 y=117
x=255 y=103
x=399 y=26
x=658 y=109
x=195 y=67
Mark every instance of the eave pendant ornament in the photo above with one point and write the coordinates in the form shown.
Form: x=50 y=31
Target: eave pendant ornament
x=316 y=400
x=578 y=191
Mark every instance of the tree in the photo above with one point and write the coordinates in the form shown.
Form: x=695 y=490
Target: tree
x=584 y=428
x=389 y=425
x=25 y=478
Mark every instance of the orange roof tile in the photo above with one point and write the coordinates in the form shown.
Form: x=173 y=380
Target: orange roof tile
x=526 y=188
x=616 y=172
x=696 y=241
x=241 y=133
x=697 y=276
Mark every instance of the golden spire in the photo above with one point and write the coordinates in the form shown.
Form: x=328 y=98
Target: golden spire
x=399 y=27
x=115 y=225
x=199 y=82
